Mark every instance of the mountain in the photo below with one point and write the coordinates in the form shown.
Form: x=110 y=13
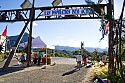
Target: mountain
x=66 y=48
x=12 y=39
x=90 y=49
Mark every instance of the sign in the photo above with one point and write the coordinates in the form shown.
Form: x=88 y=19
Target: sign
x=58 y=12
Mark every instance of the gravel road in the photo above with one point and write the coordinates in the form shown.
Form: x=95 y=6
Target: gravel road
x=64 y=71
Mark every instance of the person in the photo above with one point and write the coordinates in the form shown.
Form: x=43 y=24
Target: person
x=78 y=60
x=84 y=59
x=22 y=59
x=39 y=57
x=35 y=58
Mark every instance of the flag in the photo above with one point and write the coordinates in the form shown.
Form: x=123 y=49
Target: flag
x=5 y=31
x=107 y=26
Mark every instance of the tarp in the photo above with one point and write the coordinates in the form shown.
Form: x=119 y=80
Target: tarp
x=37 y=43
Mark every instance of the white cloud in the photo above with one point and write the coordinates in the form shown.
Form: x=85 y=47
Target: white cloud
x=74 y=43
x=34 y=24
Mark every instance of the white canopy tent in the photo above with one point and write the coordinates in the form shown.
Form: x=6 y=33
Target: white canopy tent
x=38 y=43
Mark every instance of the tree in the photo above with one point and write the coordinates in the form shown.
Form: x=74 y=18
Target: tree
x=96 y=56
x=76 y=52
x=57 y=54
x=86 y=52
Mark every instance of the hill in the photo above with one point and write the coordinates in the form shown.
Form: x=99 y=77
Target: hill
x=68 y=48
x=12 y=40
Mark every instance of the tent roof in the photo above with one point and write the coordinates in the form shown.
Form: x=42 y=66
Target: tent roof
x=38 y=43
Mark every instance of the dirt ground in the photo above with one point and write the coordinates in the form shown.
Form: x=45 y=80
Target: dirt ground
x=64 y=71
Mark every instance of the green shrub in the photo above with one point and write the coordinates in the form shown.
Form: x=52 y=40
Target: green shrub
x=2 y=56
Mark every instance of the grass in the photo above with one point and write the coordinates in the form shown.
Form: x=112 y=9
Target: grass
x=2 y=55
x=101 y=71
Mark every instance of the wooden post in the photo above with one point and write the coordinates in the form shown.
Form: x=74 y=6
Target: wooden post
x=111 y=35
x=5 y=67
x=32 y=14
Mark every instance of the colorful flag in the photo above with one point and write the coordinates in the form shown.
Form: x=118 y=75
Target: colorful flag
x=107 y=26
x=5 y=31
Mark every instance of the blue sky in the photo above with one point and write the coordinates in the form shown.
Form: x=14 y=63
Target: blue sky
x=61 y=32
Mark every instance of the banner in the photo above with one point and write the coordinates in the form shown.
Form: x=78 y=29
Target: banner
x=58 y=12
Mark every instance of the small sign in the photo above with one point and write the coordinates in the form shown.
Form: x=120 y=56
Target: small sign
x=58 y=12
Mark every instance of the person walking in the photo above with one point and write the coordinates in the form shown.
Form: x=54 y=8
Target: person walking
x=35 y=58
x=40 y=54
x=78 y=60
x=22 y=58
x=82 y=59
x=85 y=60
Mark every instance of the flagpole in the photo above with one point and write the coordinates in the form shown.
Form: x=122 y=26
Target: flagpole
x=5 y=45
x=6 y=40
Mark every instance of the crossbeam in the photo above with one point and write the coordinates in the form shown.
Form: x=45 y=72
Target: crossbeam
x=56 y=13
